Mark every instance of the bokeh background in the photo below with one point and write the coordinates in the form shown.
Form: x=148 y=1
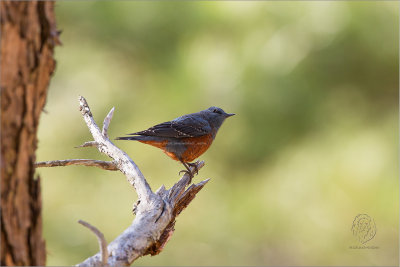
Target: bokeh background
x=314 y=142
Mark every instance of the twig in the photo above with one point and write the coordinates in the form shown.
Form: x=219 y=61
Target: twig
x=105 y=165
x=101 y=239
x=106 y=122
x=124 y=163
x=88 y=144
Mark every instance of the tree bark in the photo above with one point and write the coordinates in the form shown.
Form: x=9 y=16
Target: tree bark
x=27 y=43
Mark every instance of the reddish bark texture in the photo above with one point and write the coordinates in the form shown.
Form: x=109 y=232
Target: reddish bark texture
x=28 y=37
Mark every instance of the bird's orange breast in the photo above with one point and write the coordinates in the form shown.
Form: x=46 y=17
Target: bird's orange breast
x=196 y=146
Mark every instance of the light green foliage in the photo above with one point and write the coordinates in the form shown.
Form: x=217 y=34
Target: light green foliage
x=314 y=142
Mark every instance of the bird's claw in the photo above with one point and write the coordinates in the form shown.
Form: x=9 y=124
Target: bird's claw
x=194 y=165
x=190 y=172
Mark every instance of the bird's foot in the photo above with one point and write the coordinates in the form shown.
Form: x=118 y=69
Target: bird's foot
x=189 y=171
x=194 y=165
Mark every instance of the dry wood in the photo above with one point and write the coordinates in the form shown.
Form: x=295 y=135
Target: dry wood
x=105 y=165
x=106 y=123
x=88 y=144
x=101 y=239
x=156 y=212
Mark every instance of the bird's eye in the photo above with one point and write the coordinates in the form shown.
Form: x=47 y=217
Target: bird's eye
x=217 y=111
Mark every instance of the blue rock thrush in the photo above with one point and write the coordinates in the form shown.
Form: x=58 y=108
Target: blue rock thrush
x=184 y=138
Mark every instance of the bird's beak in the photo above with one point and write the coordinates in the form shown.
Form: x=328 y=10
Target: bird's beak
x=229 y=114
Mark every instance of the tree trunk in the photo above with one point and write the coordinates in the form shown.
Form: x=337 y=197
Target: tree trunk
x=27 y=44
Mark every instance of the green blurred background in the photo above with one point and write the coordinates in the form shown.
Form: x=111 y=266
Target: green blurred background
x=314 y=142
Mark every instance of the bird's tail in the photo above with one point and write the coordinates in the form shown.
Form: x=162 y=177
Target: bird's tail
x=135 y=138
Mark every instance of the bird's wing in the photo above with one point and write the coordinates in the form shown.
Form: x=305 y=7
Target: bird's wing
x=178 y=128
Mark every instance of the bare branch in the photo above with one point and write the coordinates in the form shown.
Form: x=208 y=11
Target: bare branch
x=188 y=196
x=88 y=144
x=101 y=239
x=180 y=203
x=106 y=122
x=177 y=189
x=105 y=165
x=155 y=217
x=124 y=163
x=131 y=245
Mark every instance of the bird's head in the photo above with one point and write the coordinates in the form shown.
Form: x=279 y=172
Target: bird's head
x=216 y=116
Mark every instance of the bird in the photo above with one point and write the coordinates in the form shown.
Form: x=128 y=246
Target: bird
x=184 y=138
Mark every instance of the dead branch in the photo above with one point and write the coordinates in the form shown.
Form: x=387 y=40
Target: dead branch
x=106 y=122
x=101 y=239
x=156 y=212
x=105 y=165
x=88 y=144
